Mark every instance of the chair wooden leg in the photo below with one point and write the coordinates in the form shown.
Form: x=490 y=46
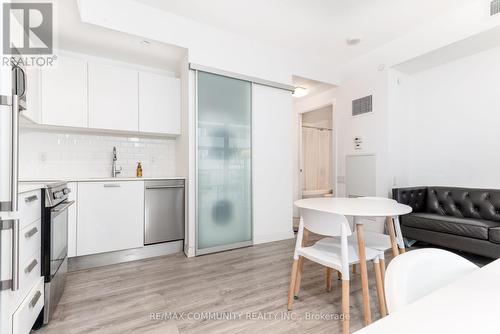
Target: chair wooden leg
x=402 y=250
x=293 y=279
x=345 y=307
x=364 y=274
x=380 y=289
x=299 y=278
x=329 y=273
x=382 y=270
x=339 y=275
x=354 y=268
x=392 y=235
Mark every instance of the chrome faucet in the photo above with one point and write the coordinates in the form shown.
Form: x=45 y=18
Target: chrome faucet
x=114 y=170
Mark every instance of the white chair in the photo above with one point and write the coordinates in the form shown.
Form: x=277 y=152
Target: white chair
x=415 y=274
x=337 y=255
x=378 y=241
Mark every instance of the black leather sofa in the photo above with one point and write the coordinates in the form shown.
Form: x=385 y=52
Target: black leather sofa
x=457 y=218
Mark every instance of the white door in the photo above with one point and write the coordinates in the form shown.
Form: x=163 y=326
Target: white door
x=113 y=97
x=272 y=176
x=64 y=93
x=159 y=104
x=110 y=216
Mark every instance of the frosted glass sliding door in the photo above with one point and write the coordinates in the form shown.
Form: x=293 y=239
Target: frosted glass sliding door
x=224 y=163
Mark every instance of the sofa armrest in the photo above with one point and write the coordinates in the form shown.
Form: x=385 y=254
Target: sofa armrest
x=416 y=197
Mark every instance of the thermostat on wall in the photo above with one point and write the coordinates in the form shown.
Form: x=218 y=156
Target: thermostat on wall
x=357 y=143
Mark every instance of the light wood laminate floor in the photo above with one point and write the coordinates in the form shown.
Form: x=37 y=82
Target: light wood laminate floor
x=120 y=298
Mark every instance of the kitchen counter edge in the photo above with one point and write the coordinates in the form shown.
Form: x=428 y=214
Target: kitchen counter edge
x=109 y=179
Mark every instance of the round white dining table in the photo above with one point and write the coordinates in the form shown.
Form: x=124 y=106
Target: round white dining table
x=362 y=207
x=356 y=207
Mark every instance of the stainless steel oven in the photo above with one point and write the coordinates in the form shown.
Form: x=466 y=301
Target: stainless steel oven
x=58 y=235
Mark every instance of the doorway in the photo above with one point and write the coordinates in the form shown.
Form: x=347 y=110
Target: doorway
x=316 y=153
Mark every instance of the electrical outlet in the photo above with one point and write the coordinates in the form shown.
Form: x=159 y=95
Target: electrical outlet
x=42 y=157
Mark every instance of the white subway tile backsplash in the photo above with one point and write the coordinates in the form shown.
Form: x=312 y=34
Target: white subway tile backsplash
x=48 y=154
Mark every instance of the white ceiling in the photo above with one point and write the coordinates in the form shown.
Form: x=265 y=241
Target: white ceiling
x=318 y=26
x=74 y=35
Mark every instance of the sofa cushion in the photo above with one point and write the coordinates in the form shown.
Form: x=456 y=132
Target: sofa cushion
x=416 y=197
x=472 y=228
x=495 y=235
x=464 y=202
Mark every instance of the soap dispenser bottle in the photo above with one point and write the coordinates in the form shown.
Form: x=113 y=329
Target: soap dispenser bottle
x=139 y=169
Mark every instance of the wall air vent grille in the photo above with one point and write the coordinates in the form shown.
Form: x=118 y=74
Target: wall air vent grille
x=495 y=7
x=362 y=106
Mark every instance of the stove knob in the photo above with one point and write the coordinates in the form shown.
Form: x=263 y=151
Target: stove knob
x=66 y=191
x=58 y=194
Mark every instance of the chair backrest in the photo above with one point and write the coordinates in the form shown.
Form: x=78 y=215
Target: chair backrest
x=413 y=275
x=325 y=223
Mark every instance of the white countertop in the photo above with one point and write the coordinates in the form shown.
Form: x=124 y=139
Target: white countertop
x=108 y=179
x=24 y=188
x=468 y=305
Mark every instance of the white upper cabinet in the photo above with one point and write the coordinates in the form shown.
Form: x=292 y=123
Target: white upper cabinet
x=64 y=93
x=159 y=104
x=86 y=92
x=113 y=97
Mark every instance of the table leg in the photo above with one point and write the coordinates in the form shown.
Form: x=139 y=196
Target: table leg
x=364 y=274
x=392 y=235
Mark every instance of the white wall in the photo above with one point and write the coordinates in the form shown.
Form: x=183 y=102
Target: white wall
x=455 y=123
x=371 y=127
x=372 y=74
x=71 y=155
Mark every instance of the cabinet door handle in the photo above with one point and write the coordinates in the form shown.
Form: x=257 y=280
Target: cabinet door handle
x=35 y=299
x=112 y=185
x=31 y=233
x=30 y=199
x=31 y=266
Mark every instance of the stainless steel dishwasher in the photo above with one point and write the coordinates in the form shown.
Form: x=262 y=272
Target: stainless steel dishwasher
x=164 y=211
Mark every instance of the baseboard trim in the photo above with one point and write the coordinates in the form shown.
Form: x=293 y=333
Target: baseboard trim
x=265 y=238
x=105 y=259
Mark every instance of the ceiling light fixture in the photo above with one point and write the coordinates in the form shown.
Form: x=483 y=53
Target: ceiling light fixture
x=353 y=41
x=300 y=92
x=145 y=43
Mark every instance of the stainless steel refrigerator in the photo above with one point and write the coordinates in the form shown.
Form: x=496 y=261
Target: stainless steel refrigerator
x=12 y=98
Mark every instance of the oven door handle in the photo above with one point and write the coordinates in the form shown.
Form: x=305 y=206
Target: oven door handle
x=62 y=207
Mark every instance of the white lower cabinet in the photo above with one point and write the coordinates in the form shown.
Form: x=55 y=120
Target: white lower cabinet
x=26 y=314
x=110 y=216
x=73 y=196
x=19 y=309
